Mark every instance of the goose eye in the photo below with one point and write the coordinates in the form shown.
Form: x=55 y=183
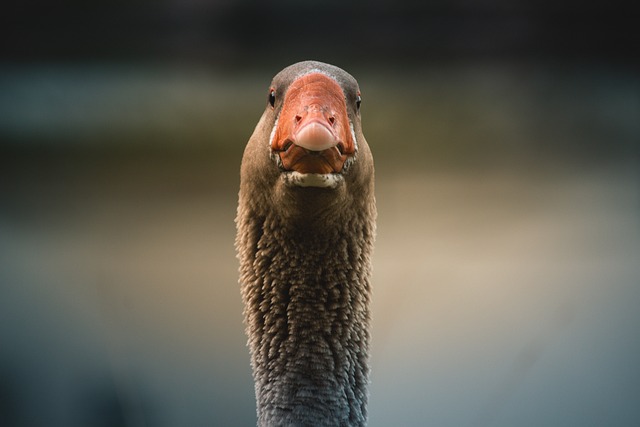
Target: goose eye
x=272 y=97
x=358 y=101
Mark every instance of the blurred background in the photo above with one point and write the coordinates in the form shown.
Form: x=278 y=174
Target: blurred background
x=506 y=136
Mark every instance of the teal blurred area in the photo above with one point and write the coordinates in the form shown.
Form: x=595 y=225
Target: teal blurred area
x=506 y=137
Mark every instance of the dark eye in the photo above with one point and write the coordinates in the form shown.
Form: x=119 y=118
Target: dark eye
x=272 y=97
x=358 y=101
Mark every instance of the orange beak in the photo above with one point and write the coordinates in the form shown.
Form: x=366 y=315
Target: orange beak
x=313 y=134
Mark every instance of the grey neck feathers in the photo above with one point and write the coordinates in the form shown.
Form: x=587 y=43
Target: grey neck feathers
x=305 y=286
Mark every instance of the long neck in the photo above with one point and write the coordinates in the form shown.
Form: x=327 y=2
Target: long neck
x=306 y=294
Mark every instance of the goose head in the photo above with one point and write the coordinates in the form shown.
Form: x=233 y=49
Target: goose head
x=310 y=133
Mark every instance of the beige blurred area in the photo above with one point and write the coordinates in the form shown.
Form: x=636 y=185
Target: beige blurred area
x=506 y=283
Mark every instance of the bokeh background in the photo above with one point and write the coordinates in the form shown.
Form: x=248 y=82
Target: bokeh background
x=506 y=137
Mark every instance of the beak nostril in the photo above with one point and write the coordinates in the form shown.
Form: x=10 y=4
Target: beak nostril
x=298 y=118
x=332 y=119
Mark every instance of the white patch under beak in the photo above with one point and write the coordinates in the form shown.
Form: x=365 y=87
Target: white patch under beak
x=320 y=180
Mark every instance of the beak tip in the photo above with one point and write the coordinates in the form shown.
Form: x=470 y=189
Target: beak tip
x=315 y=136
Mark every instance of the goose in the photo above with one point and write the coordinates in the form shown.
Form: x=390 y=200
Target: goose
x=305 y=233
